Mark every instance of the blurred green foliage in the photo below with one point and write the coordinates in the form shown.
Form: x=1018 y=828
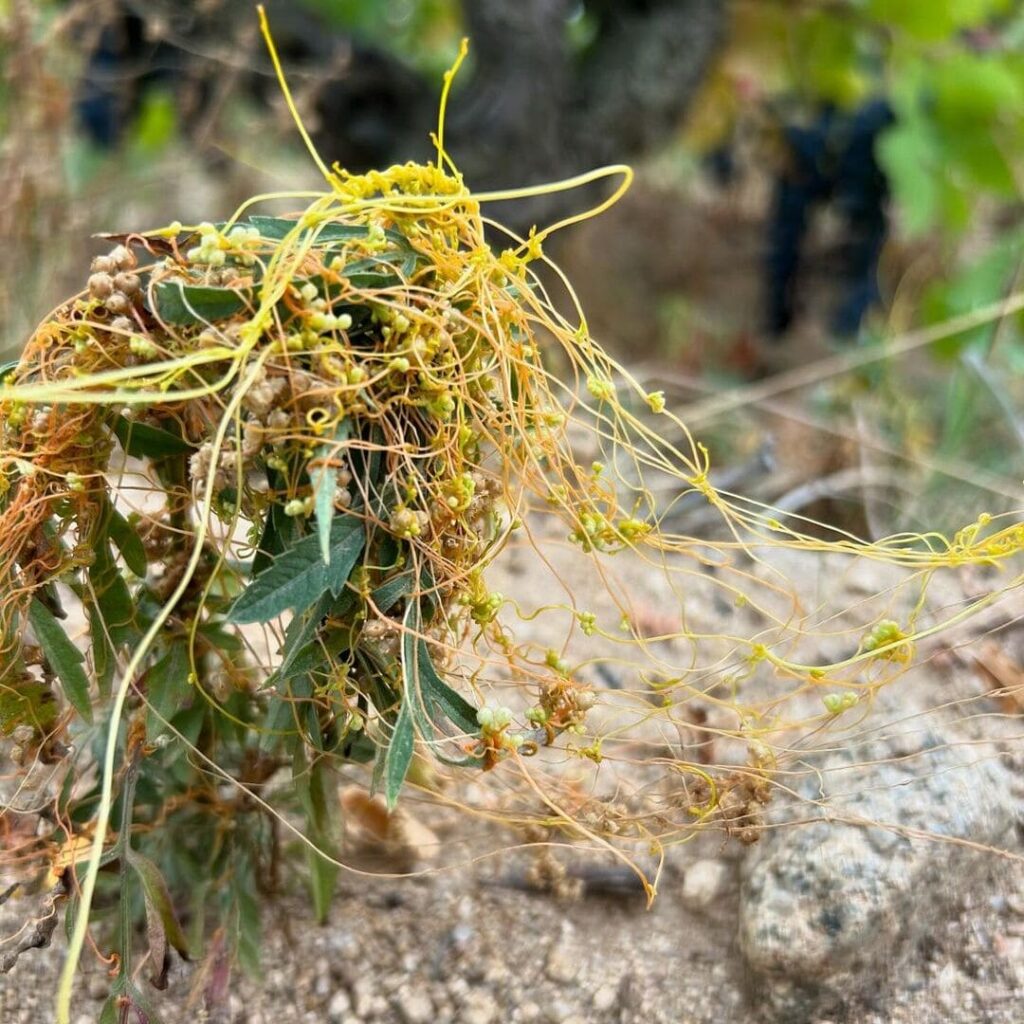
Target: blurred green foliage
x=425 y=33
x=952 y=70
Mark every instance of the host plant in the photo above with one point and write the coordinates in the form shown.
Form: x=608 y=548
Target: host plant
x=269 y=461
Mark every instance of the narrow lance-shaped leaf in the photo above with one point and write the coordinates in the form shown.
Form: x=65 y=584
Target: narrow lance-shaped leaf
x=113 y=600
x=167 y=687
x=245 y=914
x=111 y=1011
x=324 y=478
x=158 y=900
x=440 y=697
x=142 y=441
x=313 y=788
x=299 y=576
x=128 y=542
x=28 y=702
x=178 y=303
x=301 y=632
x=429 y=696
x=399 y=754
x=323 y=877
x=64 y=657
x=279 y=533
x=387 y=594
x=102 y=651
x=276 y=228
x=142 y=1007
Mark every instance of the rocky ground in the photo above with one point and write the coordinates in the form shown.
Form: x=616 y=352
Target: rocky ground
x=886 y=888
x=469 y=947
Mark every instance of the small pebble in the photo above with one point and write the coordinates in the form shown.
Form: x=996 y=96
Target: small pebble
x=478 y=1008
x=561 y=966
x=606 y=998
x=414 y=1006
x=704 y=882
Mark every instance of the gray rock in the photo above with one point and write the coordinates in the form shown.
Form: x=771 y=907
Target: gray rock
x=826 y=908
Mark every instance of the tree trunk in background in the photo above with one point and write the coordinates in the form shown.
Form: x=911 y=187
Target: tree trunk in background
x=533 y=112
x=528 y=110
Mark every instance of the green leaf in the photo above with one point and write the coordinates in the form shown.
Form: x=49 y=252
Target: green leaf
x=277 y=228
x=399 y=754
x=190 y=721
x=324 y=478
x=933 y=22
x=969 y=90
x=299 y=577
x=113 y=600
x=64 y=657
x=26 y=702
x=323 y=876
x=431 y=698
x=189 y=304
x=247 y=916
x=305 y=661
x=111 y=1012
x=980 y=161
x=128 y=542
x=167 y=688
x=440 y=698
x=285 y=713
x=277 y=722
x=102 y=651
x=373 y=272
x=279 y=533
x=142 y=1006
x=158 y=900
x=909 y=155
x=388 y=593
x=359 y=749
x=297 y=647
x=978 y=284
x=142 y=441
x=824 y=55
x=156 y=122
x=229 y=643
x=302 y=629
x=960 y=413
x=313 y=788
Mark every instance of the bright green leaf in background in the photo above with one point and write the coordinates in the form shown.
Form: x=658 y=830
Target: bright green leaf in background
x=157 y=122
x=932 y=21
